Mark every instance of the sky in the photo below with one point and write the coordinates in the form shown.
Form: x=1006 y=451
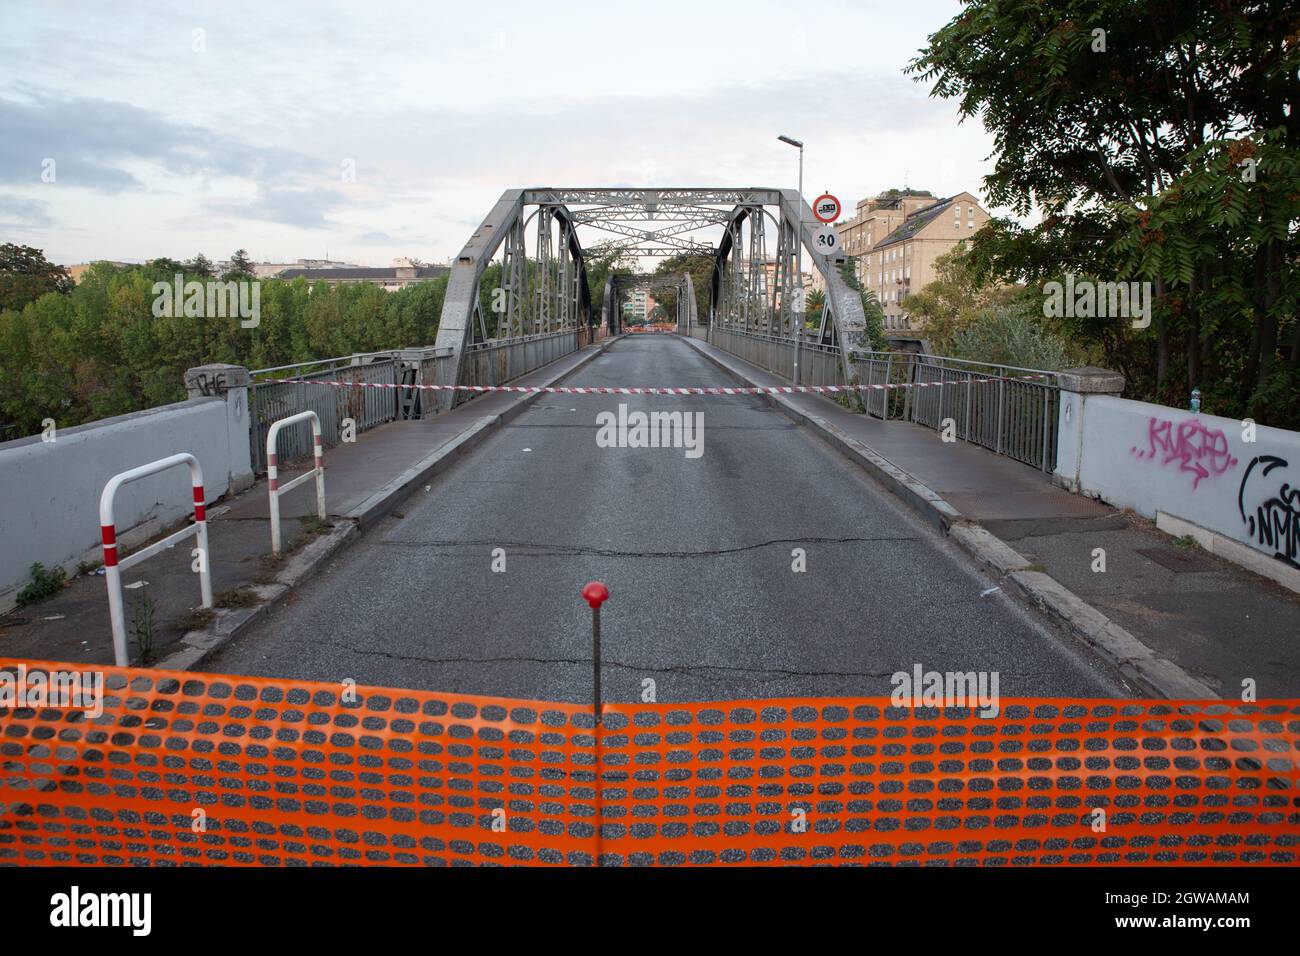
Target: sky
x=367 y=131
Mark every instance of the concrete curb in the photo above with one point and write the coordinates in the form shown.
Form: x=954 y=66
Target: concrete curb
x=196 y=647
x=1156 y=675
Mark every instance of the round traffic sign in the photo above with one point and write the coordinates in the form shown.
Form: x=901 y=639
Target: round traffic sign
x=826 y=208
x=827 y=240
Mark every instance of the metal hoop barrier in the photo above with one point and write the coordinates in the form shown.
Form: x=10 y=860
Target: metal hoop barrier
x=113 y=565
x=275 y=489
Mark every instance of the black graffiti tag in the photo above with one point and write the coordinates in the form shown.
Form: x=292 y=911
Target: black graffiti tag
x=1275 y=522
x=214 y=386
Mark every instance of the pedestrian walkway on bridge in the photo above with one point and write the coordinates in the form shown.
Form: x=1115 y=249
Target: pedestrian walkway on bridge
x=1216 y=622
x=364 y=481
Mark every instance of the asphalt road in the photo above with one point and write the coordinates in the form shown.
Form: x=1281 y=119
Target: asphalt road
x=697 y=554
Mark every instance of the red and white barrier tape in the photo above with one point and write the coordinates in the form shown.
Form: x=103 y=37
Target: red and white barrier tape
x=655 y=390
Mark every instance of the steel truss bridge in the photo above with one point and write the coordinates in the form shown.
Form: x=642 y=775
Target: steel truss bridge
x=524 y=273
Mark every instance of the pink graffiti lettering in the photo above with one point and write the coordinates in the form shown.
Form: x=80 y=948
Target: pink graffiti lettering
x=1199 y=451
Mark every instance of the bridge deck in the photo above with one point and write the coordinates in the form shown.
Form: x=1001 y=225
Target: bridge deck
x=697 y=553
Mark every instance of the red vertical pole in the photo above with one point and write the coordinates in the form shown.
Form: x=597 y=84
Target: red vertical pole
x=595 y=595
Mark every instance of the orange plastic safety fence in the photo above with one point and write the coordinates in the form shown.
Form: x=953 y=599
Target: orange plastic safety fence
x=186 y=768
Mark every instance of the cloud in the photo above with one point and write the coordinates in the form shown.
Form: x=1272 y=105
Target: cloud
x=25 y=213
x=170 y=148
x=302 y=208
x=96 y=143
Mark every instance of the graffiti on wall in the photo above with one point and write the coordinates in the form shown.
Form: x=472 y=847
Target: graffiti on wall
x=1196 y=449
x=1270 y=508
x=216 y=385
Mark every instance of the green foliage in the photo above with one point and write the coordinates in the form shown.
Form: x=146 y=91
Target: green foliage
x=201 y=265
x=45 y=583
x=142 y=624
x=814 y=304
x=1169 y=157
x=98 y=350
x=967 y=316
x=700 y=269
x=240 y=266
x=25 y=276
x=1013 y=336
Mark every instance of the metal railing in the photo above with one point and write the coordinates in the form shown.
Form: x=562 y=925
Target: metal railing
x=488 y=363
x=268 y=402
x=498 y=361
x=273 y=487
x=884 y=368
x=426 y=366
x=115 y=565
x=819 y=364
x=1007 y=409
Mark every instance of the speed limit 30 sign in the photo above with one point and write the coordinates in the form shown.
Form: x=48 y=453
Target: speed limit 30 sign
x=827 y=241
x=826 y=208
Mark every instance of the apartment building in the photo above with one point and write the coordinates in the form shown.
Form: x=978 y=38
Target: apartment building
x=896 y=239
x=811 y=280
x=638 y=305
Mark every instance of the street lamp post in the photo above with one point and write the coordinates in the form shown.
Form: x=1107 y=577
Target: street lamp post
x=798 y=265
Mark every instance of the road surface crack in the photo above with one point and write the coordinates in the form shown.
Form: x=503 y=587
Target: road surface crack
x=561 y=549
x=780 y=673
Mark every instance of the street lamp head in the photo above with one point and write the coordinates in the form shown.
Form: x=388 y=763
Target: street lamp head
x=793 y=142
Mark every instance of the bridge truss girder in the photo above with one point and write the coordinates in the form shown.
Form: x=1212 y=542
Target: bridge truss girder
x=544 y=288
x=679 y=283
x=747 y=296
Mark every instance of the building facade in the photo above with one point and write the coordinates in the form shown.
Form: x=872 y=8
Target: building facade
x=638 y=306
x=896 y=239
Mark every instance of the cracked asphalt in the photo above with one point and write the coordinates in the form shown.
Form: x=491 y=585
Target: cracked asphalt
x=698 y=557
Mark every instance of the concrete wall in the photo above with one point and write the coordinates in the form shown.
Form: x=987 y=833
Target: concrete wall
x=49 y=491
x=1201 y=469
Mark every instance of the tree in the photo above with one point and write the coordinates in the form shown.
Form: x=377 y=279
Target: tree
x=1126 y=125
x=700 y=269
x=240 y=267
x=958 y=297
x=201 y=265
x=1012 y=335
x=99 y=350
x=26 y=275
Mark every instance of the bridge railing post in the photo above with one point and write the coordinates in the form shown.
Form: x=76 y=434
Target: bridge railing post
x=273 y=487
x=113 y=565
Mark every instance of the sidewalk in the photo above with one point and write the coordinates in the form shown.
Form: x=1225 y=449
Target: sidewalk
x=1178 y=619
x=364 y=481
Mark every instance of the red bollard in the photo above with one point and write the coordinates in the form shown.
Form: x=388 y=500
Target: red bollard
x=595 y=594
